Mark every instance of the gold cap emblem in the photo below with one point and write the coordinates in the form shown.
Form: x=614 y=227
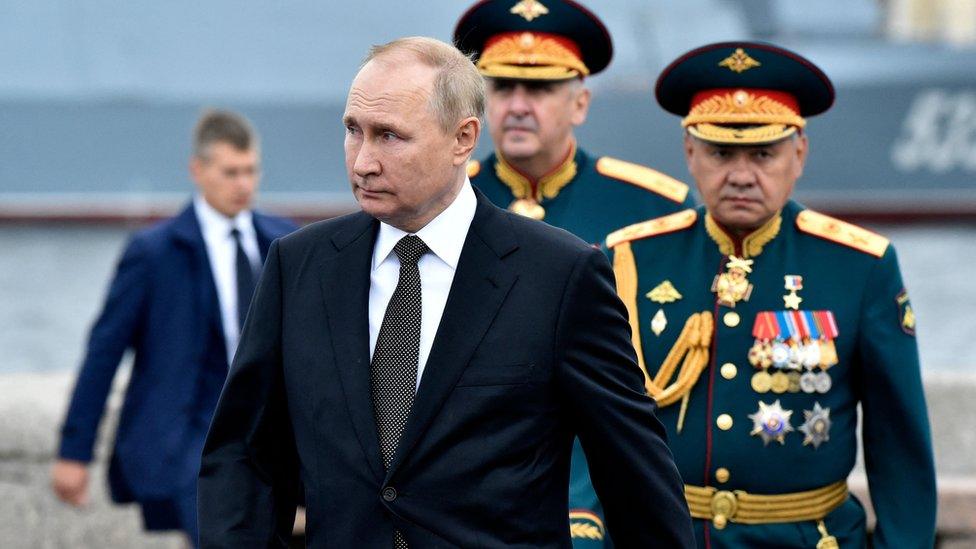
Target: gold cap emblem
x=738 y=62
x=529 y=9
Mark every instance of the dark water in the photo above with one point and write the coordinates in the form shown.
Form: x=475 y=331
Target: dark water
x=53 y=279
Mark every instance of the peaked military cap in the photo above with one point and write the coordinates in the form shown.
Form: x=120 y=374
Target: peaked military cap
x=534 y=39
x=743 y=93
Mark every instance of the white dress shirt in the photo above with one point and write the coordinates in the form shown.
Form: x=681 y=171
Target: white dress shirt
x=444 y=235
x=222 y=254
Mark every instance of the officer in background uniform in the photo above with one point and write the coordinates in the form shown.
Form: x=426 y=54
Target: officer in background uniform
x=761 y=325
x=536 y=55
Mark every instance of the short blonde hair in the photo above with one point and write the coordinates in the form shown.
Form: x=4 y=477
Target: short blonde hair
x=459 y=89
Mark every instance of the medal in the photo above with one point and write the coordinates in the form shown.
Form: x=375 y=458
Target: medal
x=767 y=356
x=808 y=383
x=780 y=383
x=816 y=425
x=828 y=354
x=761 y=382
x=811 y=354
x=732 y=286
x=771 y=422
x=823 y=382
x=794 y=378
x=528 y=208
x=796 y=357
x=780 y=354
x=827 y=326
x=756 y=354
x=793 y=284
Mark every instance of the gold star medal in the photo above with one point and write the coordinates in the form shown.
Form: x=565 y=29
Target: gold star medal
x=771 y=422
x=794 y=283
x=732 y=286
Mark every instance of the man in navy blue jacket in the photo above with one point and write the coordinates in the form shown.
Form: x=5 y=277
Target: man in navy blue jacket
x=178 y=299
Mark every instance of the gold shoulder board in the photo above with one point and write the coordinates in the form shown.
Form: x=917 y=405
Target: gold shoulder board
x=841 y=232
x=474 y=167
x=660 y=225
x=643 y=177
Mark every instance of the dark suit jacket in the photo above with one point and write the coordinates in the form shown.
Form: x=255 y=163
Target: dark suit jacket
x=533 y=348
x=162 y=303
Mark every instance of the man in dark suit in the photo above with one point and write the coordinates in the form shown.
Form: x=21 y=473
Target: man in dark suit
x=178 y=300
x=421 y=367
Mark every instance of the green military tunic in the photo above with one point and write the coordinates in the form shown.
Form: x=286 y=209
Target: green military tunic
x=818 y=305
x=589 y=197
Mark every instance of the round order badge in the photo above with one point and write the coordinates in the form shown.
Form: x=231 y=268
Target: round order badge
x=756 y=354
x=811 y=354
x=823 y=382
x=761 y=382
x=794 y=378
x=780 y=383
x=781 y=354
x=808 y=382
x=796 y=357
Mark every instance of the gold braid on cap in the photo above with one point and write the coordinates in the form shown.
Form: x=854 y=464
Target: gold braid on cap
x=742 y=107
x=530 y=56
x=741 y=136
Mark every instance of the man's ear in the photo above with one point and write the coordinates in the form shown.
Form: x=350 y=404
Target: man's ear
x=466 y=139
x=802 y=149
x=689 y=147
x=195 y=168
x=581 y=105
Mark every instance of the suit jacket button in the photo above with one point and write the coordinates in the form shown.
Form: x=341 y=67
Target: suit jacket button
x=389 y=493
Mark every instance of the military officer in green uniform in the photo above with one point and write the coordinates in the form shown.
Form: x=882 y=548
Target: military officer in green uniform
x=761 y=325
x=536 y=56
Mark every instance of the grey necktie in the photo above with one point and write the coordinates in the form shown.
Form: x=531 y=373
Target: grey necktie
x=393 y=371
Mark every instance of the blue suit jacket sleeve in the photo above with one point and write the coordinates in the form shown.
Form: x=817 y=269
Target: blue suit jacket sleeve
x=248 y=485
x=113 y=332
x=631 y=466
x=897 y=442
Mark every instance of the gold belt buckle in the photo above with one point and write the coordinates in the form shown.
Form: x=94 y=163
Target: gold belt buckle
x=724 y=505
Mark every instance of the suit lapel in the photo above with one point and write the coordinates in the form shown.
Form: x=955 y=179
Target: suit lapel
x=264 y=235
x=187 y=232
x=480 y=285
x=345 y=291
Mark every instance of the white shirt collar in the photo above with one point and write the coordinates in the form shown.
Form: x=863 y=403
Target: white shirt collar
x=214 y=224
x=444 y=234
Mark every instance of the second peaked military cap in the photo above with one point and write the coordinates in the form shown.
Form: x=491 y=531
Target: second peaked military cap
x=534 y=39
x=743 y=93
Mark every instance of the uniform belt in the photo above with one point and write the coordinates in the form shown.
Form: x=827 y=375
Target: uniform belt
x=723 y=506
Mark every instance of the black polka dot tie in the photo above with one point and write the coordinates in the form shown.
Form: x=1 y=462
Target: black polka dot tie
x=393 y=372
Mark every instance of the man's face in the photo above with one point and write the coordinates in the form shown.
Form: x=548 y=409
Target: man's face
x=402 y=165
x=227 y=177
x=743 y=186
x=529 y=118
